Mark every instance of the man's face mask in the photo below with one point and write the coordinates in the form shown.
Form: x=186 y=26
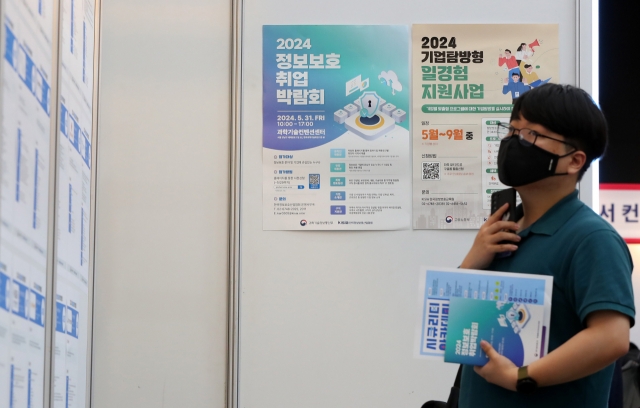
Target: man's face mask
x=520 y=161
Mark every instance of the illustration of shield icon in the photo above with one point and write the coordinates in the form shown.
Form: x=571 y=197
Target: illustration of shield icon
x=369 y=102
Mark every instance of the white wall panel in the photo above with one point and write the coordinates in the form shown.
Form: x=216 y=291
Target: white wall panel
x=162 y=204
x=327 y=318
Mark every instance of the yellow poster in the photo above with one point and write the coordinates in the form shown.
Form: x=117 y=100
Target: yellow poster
x=465 y=80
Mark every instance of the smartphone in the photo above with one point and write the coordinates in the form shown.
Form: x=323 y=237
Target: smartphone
x=499 y=198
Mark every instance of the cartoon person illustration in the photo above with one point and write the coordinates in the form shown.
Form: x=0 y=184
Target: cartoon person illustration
x=523 y=52
x=529 y=77
x=510 y=62
x=514 y=86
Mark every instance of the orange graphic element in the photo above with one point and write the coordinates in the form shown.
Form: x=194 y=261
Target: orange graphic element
x=434 y=134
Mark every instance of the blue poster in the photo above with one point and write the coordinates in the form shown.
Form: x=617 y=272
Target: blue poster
x=336 y=143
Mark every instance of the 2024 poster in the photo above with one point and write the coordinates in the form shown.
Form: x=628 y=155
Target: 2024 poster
x=336 y=142
x=465 y=80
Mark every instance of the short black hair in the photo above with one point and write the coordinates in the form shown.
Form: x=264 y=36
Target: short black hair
x=527 y=65
x=567 y=111
x=508 y=50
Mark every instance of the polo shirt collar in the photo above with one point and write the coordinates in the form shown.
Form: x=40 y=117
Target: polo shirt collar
x=555 y=217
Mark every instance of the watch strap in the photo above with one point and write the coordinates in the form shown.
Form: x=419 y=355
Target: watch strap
x=525 y=384
x=523 y=373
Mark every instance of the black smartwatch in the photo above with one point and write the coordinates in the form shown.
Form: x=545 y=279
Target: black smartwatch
x=525 y=384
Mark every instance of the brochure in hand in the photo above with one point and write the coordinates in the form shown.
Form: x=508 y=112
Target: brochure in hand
x=516 y=330
x=440 y=286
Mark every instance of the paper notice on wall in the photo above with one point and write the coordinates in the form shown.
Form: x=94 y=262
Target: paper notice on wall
x=336 y=136
x=465 y=80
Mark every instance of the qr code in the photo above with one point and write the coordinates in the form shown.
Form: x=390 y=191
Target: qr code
x=314 y=181
x=431 y=170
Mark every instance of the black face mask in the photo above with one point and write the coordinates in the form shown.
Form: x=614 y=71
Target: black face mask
x=520 y=165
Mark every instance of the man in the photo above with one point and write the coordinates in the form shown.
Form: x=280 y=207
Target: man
x=509 y=61
x=529 y=77
x=554 y=133
x=514 y=86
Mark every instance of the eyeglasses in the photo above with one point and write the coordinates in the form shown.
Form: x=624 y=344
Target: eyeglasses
x=526 y=136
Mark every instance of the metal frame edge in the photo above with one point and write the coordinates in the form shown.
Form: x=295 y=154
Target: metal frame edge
x=233 y=312
x=97 y=42
x=52 y=223
x=586 y=59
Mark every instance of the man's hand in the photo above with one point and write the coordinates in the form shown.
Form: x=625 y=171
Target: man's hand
x=506 y=81
x=487 y=242
x=499 y=370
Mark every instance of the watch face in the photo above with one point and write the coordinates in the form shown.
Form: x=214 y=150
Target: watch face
x=526 y=386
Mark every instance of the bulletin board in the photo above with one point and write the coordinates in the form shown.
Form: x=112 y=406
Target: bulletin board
x=327 y=318
x=47 y=144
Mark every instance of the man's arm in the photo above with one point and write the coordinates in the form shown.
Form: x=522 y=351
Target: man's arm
x=603 y=341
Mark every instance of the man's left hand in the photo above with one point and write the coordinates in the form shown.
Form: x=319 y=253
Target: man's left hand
x=499 y=370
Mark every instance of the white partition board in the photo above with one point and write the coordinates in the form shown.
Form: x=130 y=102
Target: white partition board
x=327 y=319
x=160 y=336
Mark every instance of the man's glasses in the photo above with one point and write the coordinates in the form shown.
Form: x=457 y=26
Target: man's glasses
x=526 y=136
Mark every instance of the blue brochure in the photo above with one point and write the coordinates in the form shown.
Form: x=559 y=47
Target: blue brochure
x=516 y=330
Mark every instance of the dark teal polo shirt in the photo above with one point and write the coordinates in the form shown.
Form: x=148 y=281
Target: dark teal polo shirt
x=591 y=268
